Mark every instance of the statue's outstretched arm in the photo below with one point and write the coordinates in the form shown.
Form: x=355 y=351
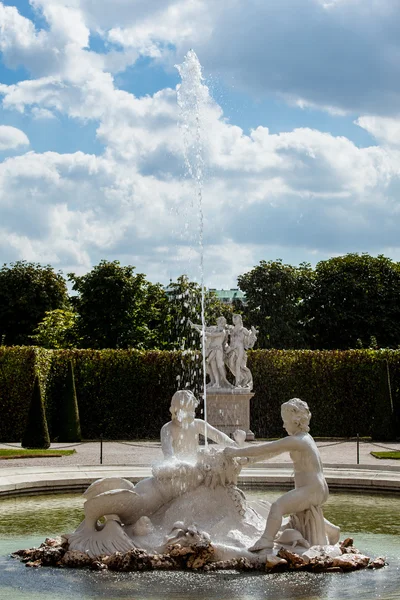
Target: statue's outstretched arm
x=214 y=434
x=269 y=449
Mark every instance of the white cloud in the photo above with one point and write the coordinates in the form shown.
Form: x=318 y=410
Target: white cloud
x=340 y=56
x=313 y=192
x=42 y=113
x=303 y=189
x=384 y=129
x=11 y=137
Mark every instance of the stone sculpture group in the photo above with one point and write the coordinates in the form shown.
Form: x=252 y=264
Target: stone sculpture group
x=190 y=514
x=225 y=346
x=198 y=481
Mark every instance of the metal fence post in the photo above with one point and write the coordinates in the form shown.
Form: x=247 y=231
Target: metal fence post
x=358 y=448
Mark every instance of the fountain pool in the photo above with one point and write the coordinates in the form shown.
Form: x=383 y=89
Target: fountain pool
x=25 y=521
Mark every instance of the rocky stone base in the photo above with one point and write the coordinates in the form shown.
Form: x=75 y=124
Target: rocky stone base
x=54 y=552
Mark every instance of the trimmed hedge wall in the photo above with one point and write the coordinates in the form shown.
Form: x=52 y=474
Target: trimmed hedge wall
x=122 y=394
x=125 y=394
x=18 y=368
x=347 y=391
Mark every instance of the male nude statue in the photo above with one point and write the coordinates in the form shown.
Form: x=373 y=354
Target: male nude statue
x=311 y=489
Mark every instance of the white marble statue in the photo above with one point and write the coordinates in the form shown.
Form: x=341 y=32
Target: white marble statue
x=185 y=468
x=216 y=341
x=311 y=490
x=180 y=437
x=240 y=340
x=226 y=345
x=192 y=497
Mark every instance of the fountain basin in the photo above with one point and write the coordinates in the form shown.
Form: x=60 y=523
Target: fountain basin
x=34 y=480
x=372 y=519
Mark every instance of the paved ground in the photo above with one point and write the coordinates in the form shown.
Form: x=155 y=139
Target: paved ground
x=145 y=453
x=133 y=460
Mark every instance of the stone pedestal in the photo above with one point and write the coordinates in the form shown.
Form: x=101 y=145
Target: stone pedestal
x=230 y=410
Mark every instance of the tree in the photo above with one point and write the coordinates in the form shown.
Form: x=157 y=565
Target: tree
x=185 y=306
x=355 y=298
x=57 y=330
x=27 y=291
x=274 y=296
x=117 y=307
x=36 y=433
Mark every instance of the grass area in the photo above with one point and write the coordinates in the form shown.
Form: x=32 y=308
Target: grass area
x=10 y=453
x=392 y=454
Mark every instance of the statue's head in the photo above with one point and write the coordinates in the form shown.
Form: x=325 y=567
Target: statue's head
x=183 y=406
x=221 y=322
x=237 y=319
x=296 y=416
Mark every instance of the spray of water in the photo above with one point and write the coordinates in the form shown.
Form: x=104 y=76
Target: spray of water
x=193 y=97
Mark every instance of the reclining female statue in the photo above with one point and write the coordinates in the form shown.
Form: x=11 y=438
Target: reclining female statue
x=184 y=469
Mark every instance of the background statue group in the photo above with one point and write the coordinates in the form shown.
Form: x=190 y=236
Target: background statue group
x=226 y=346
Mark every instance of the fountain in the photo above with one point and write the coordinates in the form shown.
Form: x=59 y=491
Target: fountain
x=190 y=515
x=226 y=406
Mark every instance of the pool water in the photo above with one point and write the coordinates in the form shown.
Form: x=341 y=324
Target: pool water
x=372 y=519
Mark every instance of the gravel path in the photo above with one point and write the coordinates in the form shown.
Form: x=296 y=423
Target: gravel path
x=146 y=452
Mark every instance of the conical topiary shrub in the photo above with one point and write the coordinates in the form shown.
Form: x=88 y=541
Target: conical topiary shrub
x=36 y=433
x=384 y=420
x=70 y=427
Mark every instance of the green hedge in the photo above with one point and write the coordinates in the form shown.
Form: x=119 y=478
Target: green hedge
x=347 y=391
x=125 y=394
x=18 y=368
x=122 y=394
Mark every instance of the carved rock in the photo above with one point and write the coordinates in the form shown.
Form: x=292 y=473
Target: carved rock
x=76 y=559
x=192 y=557
x=347 y=546
x=34 y=564
x=275 y=563
x=377 y=563
x=97 y=565
x=294 y=560
x=133 y=560
x=351 y=562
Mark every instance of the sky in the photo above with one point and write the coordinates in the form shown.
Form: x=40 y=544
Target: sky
x=300 y=134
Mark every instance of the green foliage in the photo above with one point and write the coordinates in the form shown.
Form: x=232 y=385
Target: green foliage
x=57 y=330
x=118 y=308
x=355 y=301
x=36 y=433
x=274 y=293
x=123 y=394
x=344 y=390
x=15 y=453
x=69 y=427
x=126 y=394
x=387 y=455
x=185 y=306
x=17 y=373
x=27 y=291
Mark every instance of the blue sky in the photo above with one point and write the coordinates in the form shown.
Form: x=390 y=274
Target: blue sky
x=300 y=126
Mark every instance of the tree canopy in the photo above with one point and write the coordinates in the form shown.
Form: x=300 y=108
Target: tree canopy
x=185 y=306
x=274 y=296
x=27 y=292
x=345 y=302
x=117 y=308
x=354 y=298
